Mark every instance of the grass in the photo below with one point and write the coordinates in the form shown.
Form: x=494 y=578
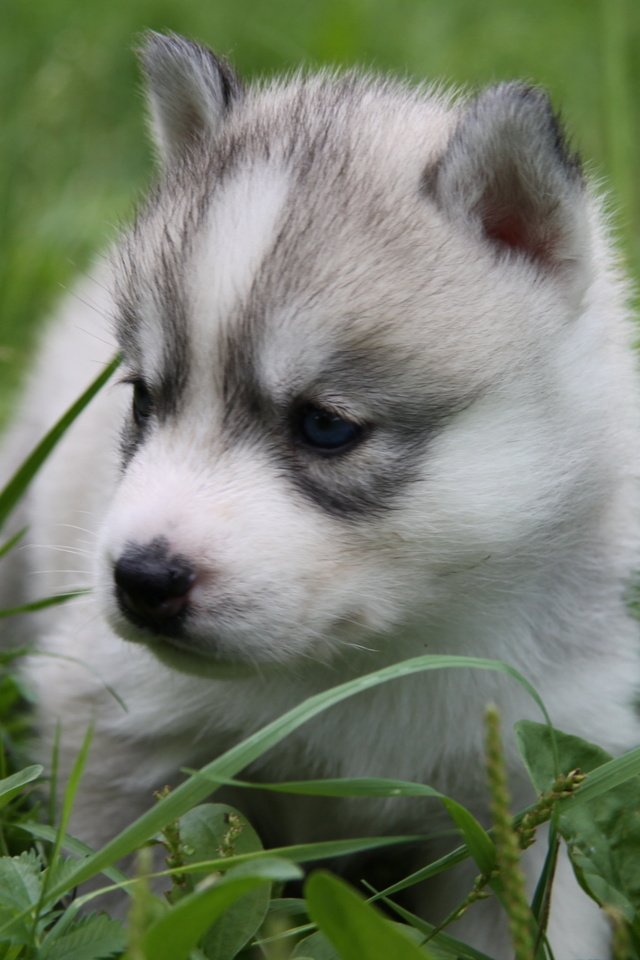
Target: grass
x=73 y=158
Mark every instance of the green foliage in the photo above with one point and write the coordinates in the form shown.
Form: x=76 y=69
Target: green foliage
x=16 y=487
x=353 y=926
x=211 y=831
x=602 y=833
x=11 y=786
x=90 y=938
x=30 y=931
x=222 y=877
x=211 y=907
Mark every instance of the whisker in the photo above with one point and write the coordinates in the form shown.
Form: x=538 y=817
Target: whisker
x=74 y=551
x=75 y=526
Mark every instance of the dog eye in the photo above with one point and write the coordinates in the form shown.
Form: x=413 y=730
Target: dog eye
x=142 y=403
x=327 y=431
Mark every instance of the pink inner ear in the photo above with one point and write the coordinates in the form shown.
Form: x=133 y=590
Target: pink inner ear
x=515 y=231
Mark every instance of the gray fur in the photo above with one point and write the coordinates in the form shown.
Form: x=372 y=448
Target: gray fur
x=508 y=171
x=189 y=92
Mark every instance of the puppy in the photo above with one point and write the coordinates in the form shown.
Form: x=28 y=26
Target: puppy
x=377 y=399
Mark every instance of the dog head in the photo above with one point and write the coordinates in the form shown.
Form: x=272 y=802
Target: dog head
x=341 y=313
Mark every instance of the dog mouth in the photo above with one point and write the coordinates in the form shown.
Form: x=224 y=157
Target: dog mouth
x=196 y=661
x=169 y=641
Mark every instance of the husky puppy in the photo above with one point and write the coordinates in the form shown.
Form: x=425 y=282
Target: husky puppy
x=377 y=399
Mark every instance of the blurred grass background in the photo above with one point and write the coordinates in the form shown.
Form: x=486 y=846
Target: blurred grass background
x=73 y=152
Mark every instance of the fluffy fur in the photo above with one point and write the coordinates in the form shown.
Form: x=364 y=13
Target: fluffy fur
x=433 y=272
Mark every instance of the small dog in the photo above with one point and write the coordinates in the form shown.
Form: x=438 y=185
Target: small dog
x=379 y=401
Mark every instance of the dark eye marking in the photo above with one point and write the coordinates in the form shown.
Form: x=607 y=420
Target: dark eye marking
x=143 y=405
x=324 y=431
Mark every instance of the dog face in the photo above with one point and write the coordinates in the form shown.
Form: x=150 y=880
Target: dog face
x=340 y=313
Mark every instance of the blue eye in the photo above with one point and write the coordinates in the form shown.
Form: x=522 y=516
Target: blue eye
x=325 y=430
x=142 y=403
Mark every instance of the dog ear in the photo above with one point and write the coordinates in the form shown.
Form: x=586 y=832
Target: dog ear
x=189 y=92
x=508 y=174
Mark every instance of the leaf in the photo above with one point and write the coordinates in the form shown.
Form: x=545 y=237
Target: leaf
x=53 y=601
x=20 y=881
x=92 y=938
x=197 y=789
x=174 y=935
x=20 y=888
x=602 y=832
x=70 y=844
x=11 y=786
x=12 y=542
x=441 y=944
x=70 y=791
x=290 y=907
x=207 y=829
x=609 y=775
x=355 y=928
x=315 y=947
x=478 y=841
x=25 y=473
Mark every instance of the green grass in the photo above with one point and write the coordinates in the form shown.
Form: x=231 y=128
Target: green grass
x=74 y=155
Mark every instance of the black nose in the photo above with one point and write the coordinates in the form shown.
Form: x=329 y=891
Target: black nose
x=153 y=586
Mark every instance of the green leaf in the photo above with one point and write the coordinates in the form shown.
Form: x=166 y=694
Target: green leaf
x=174 y=935
x=441 y=865
x=355 y=928
x=11 y=786
x=20 y=881
x=441 y=944
x=339 y=787
x=25 y=473
x=71 y=845
x=197 y=789
x=207 y=831
x=611 y=774
x=478 y=841
x=67 y=806
x=21 y=886
x=315 y=947
x=92 y=938
x=602 y=832
x=534 y=743
x=54 y=601
x=12 y=541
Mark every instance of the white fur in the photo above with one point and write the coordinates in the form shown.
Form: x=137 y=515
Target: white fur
x=516 y=539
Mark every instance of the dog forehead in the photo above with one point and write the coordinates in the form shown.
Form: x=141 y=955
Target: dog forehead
x=235 y=240
x=305 y=233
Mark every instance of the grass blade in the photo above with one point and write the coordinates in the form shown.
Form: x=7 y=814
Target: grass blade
x=78 y=849
x=25 y=473
x=42 y=604
x=605 y=778
x=197 y=789
x=478 y=841
x=12 y=541
x=67 y=806
x=458 y=949
x=355 y=928
x=298 y=853
x=11 y=786
x=174 y=935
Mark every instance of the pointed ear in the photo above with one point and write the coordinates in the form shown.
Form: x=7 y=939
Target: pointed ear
x=189 y=92
x=508 y=174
